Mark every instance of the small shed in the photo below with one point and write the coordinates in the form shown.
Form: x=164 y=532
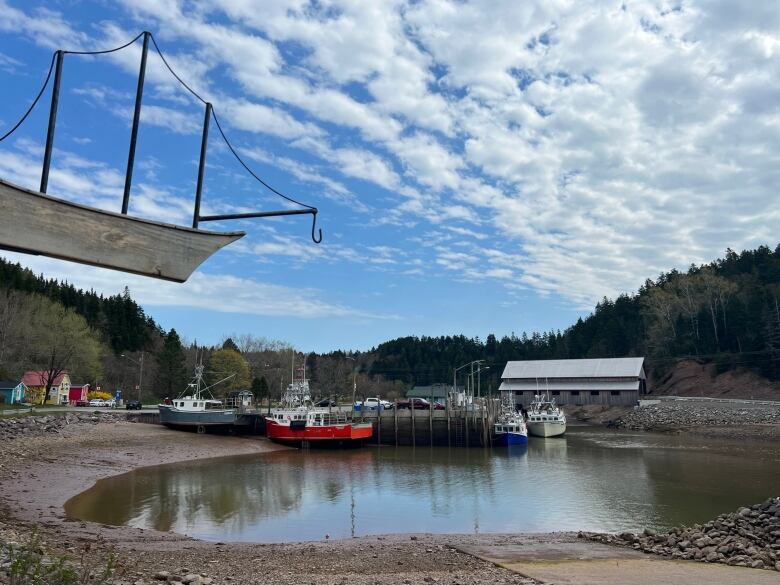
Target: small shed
x=77 y=393
x=12 y=391
x=241 y=399
x=434 y=392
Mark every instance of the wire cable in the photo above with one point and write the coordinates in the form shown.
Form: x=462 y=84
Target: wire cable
x=179 y=79
x=48 y=76
x=35 y=101
x=224 y=136
x=106 y=50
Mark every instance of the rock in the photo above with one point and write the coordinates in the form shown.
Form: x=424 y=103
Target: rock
x=162 y=575
x=190 y=578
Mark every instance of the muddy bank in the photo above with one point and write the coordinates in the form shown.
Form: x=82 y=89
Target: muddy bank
x=38 y=474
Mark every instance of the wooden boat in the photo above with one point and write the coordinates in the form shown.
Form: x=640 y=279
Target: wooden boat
x=33 y=223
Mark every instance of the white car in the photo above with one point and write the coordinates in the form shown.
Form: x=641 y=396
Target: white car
x=375 y=403
x=110 y=403
x=97 y=402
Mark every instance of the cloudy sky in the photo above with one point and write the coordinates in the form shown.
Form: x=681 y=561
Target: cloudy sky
x=479 y=166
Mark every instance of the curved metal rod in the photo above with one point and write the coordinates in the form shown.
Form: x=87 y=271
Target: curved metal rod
x=313 y=224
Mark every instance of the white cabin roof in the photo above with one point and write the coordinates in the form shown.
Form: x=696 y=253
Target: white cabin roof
x=587 y=368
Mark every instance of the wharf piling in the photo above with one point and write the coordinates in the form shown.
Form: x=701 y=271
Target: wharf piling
x=450 y=427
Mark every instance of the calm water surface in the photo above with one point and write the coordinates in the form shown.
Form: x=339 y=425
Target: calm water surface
x=589 y=480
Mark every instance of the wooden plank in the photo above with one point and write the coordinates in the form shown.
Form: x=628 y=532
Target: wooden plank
x=38 y=224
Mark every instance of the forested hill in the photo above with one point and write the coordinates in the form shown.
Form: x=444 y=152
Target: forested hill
x=119 y=318
x=726 y=312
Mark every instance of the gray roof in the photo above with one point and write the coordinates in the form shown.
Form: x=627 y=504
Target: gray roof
x=9 y=384
x=434 y=391
x=552 y=385
x=590 y=368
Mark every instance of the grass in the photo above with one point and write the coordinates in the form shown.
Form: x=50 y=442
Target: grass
x=29 y=565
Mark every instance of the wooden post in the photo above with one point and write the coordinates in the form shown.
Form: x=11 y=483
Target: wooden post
x=466 y=423
x=449 y=434
x=395 y=421
x=379 y=425
x=411 y=410
x=430 y=424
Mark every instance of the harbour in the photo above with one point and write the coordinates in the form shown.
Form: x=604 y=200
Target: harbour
x=591 y=479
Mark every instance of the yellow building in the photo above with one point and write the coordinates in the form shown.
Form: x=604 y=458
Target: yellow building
x=36 y=387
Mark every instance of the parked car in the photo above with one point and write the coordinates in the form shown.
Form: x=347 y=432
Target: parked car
x=82 y=403
x=326 y=402
x=415 y=403
x=110 y=403
x=133 y=405
x=374 y=404
x=97 y=402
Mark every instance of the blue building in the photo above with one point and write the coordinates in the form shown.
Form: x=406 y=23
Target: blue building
x=12 y=391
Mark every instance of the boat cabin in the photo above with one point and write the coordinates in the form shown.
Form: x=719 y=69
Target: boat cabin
x=197 y=404
x=241 y=399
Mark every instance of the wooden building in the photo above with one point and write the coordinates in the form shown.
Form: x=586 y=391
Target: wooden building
x=605 y=381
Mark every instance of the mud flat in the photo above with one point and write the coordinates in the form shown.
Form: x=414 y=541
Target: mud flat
x=40 y=469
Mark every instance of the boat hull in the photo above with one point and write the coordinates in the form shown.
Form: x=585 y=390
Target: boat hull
x=217 y=419
x=507 y=439
x=34 y=223
x=546 y=429
x=337 y=435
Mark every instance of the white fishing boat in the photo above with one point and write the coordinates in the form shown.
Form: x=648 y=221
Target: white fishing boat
x=545 y=418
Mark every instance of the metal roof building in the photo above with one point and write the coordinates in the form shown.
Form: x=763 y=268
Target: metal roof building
x=605 y=381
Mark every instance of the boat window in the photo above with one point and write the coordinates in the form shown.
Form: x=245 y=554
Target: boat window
x=594 y=392
x=575 y=392
x=615 y=392
x=181 y=404
x=556 y=393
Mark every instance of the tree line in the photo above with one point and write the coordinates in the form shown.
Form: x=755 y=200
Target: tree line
x=726 y=312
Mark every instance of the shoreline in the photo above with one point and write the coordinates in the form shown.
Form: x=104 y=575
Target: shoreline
x=39 y=474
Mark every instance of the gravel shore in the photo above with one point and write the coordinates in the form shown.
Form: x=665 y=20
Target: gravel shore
x=41 y=469
x=749 y=537
x=743 y=420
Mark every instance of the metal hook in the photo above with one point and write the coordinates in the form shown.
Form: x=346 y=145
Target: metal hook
x=313 y=224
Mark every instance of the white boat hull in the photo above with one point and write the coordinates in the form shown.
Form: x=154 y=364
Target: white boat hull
x=546 y=429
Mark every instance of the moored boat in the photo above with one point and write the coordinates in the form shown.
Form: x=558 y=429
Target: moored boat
x=545 y=418
x=197 y=409
x=297 y=423
x=510 y=430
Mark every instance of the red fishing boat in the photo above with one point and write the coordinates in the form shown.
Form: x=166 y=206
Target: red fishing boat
x=316 y=427
x=299 y=423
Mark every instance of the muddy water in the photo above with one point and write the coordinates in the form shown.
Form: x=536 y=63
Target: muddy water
x=589 y=480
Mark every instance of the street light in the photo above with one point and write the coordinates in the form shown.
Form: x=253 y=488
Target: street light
x=141 y=371
x=354 y=380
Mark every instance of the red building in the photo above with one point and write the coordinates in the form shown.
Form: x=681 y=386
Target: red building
x=77 y=392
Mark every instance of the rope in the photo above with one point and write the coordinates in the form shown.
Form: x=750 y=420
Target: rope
x=243 y=164
x=107 y=50
x=224 y=136
x=35 y=101
x=179 y=79
x=48 y=76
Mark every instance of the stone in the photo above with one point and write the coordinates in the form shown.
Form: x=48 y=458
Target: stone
x=162 y=575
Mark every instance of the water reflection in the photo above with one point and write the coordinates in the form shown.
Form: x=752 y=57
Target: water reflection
x=592 y=480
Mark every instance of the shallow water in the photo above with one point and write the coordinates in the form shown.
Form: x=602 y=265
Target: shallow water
x=590 y=480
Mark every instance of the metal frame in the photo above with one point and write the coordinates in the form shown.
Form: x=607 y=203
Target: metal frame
x=196 y=217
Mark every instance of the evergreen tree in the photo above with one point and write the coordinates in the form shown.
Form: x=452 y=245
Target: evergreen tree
x=230 y=344
x=171 y=372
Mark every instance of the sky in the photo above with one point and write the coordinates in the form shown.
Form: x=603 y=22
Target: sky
x=479 y=167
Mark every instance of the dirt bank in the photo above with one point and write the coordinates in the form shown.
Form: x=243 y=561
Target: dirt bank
x=38 y=474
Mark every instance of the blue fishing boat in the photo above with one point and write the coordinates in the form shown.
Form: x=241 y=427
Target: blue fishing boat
x=510 y=430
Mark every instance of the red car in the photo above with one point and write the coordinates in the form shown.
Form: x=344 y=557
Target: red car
x=418 y=404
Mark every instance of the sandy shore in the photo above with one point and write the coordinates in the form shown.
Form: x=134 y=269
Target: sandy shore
x=38 y=475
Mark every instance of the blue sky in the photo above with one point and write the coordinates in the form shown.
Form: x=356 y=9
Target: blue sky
x=479 y=166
